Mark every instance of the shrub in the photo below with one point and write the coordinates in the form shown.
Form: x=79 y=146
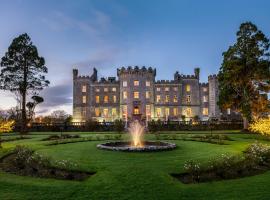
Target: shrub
x=261 y=126
x=119 y=125
x=258 y=153
x=6 y=127
x=193 y=168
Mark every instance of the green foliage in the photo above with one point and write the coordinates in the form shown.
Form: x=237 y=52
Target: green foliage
x=245 y=71
x=119 y=125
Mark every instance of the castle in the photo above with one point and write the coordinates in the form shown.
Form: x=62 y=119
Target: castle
x=135 y=94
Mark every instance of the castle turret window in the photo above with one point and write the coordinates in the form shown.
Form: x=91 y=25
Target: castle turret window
x=84 y=99
x=106 y=99
x=147 y=94
x=188 y=88
x=84 y=88
x=136 y=83
x=97 y=99
x=136 y=95
x=167 y=98
x=125 y=95
x=158 y=99
x=147 y=83
x=124 y=83
x=188 y=99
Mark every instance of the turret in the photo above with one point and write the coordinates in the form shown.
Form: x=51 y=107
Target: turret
x=197 y=72
x=75 y=73
x=94 y=75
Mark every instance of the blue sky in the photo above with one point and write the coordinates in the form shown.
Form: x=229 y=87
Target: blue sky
x=170 y=35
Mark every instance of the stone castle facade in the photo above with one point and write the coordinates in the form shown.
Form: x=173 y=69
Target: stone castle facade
x=135 y=94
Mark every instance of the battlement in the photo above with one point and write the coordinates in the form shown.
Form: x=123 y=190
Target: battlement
x=108 y=80
x=204 y=84
x=135 y=70
x=213 y=76
x=166 y=82
x=188 y=76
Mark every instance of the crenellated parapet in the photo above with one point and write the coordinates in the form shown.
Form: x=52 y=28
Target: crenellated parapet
x=204 y=84
x=109 y=80
x=212 y=77
x=136 y=70
x=166 y=82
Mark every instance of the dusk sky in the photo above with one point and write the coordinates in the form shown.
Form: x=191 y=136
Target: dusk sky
x=168 y=35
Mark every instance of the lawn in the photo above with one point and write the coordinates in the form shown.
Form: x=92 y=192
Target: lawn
x=122 y=175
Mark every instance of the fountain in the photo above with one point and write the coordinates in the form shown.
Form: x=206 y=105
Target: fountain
x=136 y=131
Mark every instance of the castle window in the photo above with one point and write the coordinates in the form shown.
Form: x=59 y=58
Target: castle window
x=205 y=111
x=84 y=113
x=158 y=89
x=124 y=112
x=147 y=94
x=175 y=111
x=84 y=99
x=105 y=112
x=158 y=111
x=97 y=112
x=125 y=95
x=167 y=89
x=147 y=84
x=188 y=88
x=136 y=111
x=228 y=111
x=148 y=110
x=124 y=83
x=188 y=112
x=188 y=99
x=106 y=99
x=97 y=99
x=97 y=89
x=175 y=89
x=84 y=88
x=167 y=98
x=205 y=98
x=175 y=99
x=136 y=83
x=205 y=89
x=106 y=90
x=114 y=89
x=158 y=99
x=114 y=99
x=114 y=113
x=136 y=95
x=167 y=111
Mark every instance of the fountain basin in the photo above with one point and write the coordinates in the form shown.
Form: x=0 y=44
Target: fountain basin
x=148 y=146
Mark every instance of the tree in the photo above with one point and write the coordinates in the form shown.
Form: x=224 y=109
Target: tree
x=31 y=105
x=6 y=126
x=261 y=126
x=23 y=71
x=245 y=72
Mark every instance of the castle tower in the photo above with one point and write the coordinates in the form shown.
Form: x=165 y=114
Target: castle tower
x=214 y=111
x=136 y=92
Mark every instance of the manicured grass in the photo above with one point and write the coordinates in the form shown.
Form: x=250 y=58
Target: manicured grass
x=123 y=175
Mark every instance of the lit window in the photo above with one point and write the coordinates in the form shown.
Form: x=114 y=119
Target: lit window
x=114 y=89
x=175 y=99
x=175 y=89
x=84 y=88
x=147 y=83
x=158 y=89
x=148 y=109
x=97 y=99
x=205 y=111
x=188 y=88
x=188 y=112
x=188 y=99
x=167 y=98
x=167 y=89
x=228 y=111
x=97 y=112
x=158 y=99
x=84 y=113
x=136 y=95
x=136 y=83
x=205 y=89
x=147 y=94
x=106 y=90
x=136 y=111
x=175 y=111
x=105 y=112
x=124 y=83
x=167 y=111
x=158 y=111
x=106 y=99
x=124 y=111
x=114 y=99
x=125 y=95
x=84 y=99
x=205 y=98
x=114 y=113
x=97 y=89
